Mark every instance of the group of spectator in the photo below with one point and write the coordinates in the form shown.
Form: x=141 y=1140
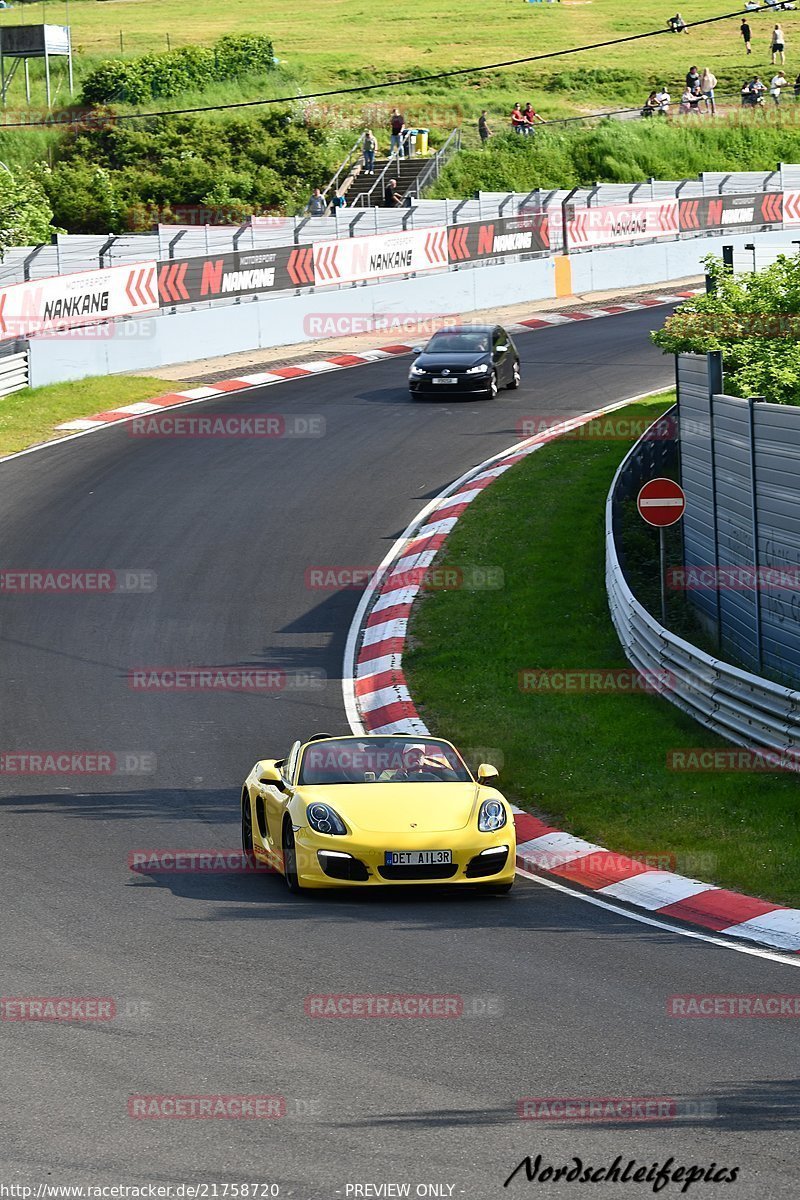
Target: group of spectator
x=777 y=44
x=523 y=120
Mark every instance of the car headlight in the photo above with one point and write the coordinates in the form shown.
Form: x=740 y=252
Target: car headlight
x=481 y=369
x=492 y=816
x=415 y=370
x=323 y=819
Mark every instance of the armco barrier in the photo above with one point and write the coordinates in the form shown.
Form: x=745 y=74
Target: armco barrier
x=744 y=708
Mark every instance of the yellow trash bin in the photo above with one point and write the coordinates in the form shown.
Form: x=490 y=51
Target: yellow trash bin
x=422 y=141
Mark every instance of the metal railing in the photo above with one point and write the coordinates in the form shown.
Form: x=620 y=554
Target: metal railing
x=13 y=372
x=743 y=708
x=364 y=199
x=431 y=172
x=345 y=168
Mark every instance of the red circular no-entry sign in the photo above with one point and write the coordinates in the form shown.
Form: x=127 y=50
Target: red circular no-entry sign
x=661 y=502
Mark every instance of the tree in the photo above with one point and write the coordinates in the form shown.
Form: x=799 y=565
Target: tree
x=754 y=320
x=25 y=213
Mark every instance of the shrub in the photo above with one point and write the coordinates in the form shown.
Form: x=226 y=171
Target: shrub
x=136 y=80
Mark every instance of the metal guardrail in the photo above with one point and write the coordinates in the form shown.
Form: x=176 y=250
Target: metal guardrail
x=743 y=708
x=13 y=373
x=434 y=168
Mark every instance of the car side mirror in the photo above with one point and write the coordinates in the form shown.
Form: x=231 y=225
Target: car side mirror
x=417 y=350
x=486 y=772
x=271 y=775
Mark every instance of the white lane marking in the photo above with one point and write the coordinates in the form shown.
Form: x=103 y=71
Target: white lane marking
x=756 y=951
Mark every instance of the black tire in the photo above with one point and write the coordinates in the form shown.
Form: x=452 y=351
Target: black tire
x=247 y=824
x=290 y=858
x=516 y=378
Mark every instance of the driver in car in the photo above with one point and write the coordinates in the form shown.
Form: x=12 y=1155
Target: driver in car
x=412 y=769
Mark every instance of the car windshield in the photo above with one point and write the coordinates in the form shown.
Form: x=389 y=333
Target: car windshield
x=381 y=760
x=458 y=343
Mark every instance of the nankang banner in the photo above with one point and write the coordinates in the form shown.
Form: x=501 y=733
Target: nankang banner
x=80 y=298
x=614 y=224
x=745 y=209
x=475 y=240
x=237 y=273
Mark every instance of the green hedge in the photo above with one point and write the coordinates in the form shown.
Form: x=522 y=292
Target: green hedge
x=136 y=80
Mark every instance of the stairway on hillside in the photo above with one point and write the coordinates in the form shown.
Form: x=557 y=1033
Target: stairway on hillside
x=406 y=172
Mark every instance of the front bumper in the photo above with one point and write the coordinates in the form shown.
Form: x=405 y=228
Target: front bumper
x=325 y=862
x=424 y=385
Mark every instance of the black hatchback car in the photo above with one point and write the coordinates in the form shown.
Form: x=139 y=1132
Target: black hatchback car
x=465 y=359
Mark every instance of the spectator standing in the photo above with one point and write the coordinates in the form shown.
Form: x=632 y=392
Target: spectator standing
x=530 y=117
x=776 y=83
x=396 y=125
x=484 y=132
x=391 y=196
x=797 y=88
x=708 y=81
x=317 y=205
x=517 y=119
x=778 y=44
x=692 y=78
x=747 y=34
x=663 y=97
x=369 y=148
x=651 y=105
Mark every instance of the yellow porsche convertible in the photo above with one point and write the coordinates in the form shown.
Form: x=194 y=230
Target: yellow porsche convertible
x=377 y=810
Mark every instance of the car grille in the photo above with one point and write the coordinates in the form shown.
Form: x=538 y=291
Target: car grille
x=487 y=864
x=424 y=871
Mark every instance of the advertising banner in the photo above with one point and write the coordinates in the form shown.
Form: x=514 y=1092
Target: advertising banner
x=81 y=298
x=737 y=208
x=475 y=240
x=349 y=260
x=237 y=273
x=613 y=224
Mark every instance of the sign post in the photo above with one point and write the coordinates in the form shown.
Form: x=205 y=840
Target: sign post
x=661 y=503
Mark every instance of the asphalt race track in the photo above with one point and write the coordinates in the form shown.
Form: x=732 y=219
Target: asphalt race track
x=210 y=971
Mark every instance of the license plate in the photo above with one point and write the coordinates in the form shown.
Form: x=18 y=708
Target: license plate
x=445 y=381
x=417 y=858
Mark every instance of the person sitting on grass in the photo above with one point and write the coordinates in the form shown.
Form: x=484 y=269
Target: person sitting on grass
x=677 y=24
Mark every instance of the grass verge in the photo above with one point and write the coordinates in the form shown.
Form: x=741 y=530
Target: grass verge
x=593 y=763
x=30 y=416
